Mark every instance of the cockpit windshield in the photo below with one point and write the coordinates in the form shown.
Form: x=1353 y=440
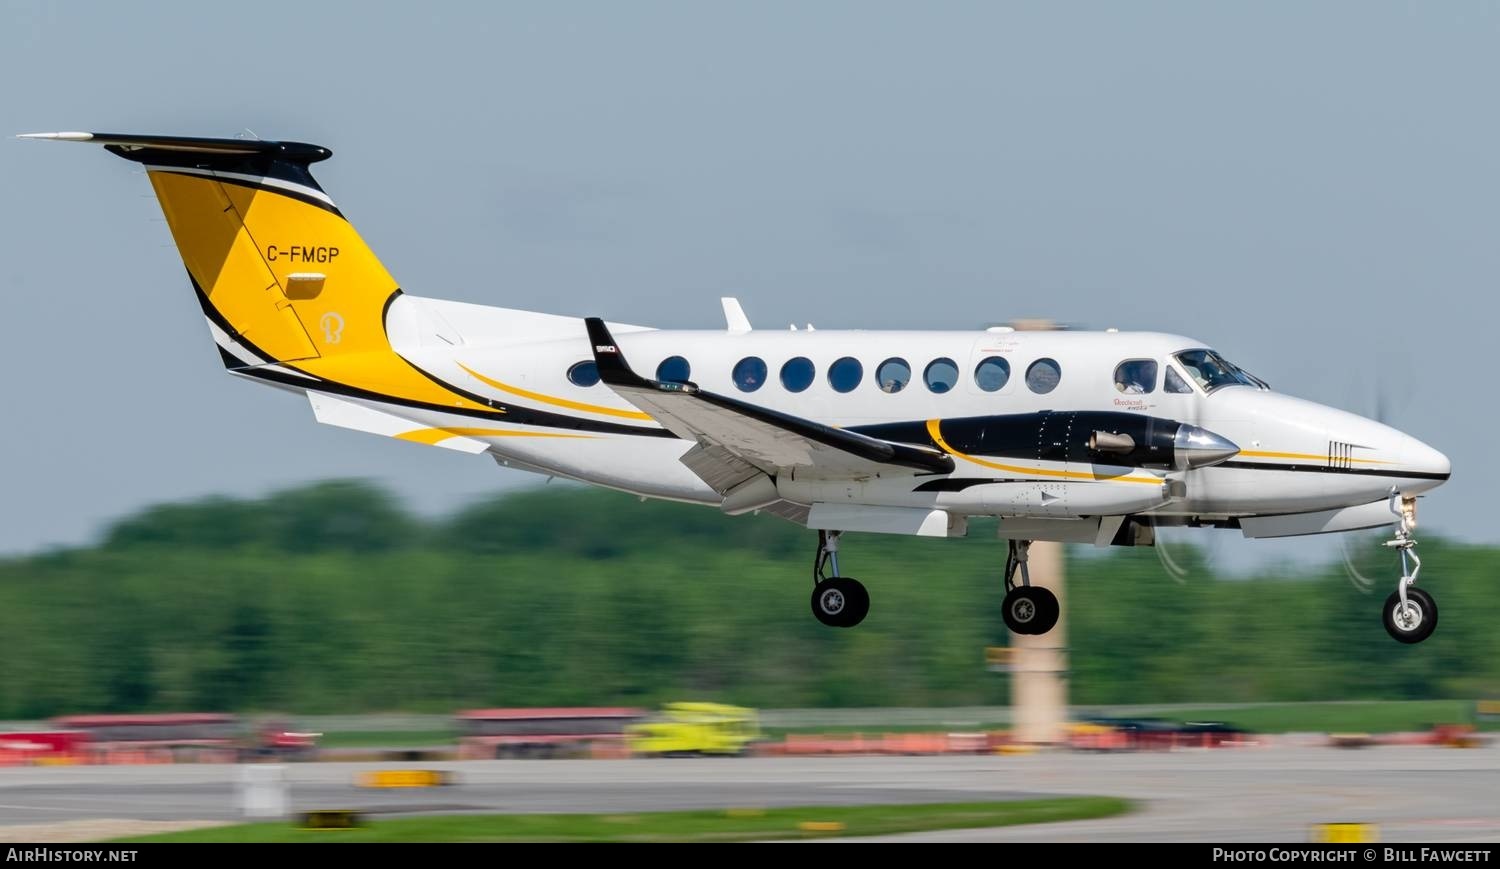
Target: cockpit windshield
x=1213 y=371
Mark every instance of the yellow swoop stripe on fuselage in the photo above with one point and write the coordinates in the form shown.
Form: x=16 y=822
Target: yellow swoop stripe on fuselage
x=1263 y=454
x=432 y=436
x=935 y=431
x=555 y=401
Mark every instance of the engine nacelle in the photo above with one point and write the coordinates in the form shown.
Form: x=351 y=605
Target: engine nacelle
x=1082 y=437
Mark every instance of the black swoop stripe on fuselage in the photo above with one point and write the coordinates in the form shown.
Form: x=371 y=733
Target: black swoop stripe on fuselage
x=1321 y=469
x=496 y=410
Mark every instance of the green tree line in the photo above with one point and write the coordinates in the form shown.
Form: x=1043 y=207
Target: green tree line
x=333 y=598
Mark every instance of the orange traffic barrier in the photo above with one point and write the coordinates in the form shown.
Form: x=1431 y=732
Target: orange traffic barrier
x=609 y=751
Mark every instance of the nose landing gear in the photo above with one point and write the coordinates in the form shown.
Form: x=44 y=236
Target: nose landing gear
x=1410 y=614
x=1027 y=609
x=837 y=601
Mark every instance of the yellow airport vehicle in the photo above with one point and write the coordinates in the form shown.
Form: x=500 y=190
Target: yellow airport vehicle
x=688 y=729
x=1345 y=834
x=405 y=778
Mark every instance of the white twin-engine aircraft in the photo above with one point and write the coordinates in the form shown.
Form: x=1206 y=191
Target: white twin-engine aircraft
x=1080 y=437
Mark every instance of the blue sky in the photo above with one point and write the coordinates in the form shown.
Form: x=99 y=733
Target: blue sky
x=1311 y=188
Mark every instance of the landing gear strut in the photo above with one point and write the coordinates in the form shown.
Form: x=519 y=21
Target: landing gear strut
x=837 y=601
x=1410 y=614
x=1027 y=609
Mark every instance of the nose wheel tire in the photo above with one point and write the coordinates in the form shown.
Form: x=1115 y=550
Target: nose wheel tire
x=1030 y=609
x=1413 y=623
x=840 y=602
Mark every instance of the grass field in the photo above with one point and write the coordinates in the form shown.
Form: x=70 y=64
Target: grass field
x=741 y=825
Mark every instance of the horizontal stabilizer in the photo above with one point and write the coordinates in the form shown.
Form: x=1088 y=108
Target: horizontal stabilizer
x=352 y=415
x=141 y=148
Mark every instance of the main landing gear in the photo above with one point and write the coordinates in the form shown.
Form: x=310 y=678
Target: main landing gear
x=1027 y=609
x=837 y=601
x=1410 y=614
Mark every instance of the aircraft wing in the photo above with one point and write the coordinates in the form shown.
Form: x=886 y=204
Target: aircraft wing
x=767 y=439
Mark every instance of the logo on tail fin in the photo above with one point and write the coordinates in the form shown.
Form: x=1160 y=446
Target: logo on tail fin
x=332 y=324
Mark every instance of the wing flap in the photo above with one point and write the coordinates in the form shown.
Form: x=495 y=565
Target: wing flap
x=721 y=469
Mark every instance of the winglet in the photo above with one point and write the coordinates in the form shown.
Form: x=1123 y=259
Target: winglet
x=613 y=369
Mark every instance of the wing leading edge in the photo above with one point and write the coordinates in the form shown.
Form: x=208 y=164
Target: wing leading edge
x=768 y=439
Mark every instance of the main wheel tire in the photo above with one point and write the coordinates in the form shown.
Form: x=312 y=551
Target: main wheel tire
x=1048 y=610
x=840 y=602
x=859 y=602
x=1416 y=622
x=1030 y=610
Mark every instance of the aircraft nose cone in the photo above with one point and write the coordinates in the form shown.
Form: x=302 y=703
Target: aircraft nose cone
x=1196 y=447
x=1424 y=460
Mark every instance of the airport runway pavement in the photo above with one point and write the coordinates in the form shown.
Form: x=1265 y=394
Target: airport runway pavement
x=1267 y=793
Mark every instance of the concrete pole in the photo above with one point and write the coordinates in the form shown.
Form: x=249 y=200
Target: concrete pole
x=1039 y=678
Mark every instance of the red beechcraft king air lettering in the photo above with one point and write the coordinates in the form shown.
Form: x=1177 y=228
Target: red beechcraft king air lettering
x=1080 y=437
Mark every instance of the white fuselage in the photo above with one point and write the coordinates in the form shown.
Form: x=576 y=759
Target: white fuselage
x=1296 y=456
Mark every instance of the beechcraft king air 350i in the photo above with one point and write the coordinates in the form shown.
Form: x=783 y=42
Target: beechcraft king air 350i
x=1085 y=437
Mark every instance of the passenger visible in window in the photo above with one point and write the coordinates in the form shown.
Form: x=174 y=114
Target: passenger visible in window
x=1135 y=377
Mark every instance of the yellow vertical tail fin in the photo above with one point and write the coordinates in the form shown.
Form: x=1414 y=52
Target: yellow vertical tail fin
x=290 y=290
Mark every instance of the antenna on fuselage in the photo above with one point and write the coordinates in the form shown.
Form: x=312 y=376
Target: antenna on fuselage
x=734 y=316
x=1040 y=324
x=1032 y=324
